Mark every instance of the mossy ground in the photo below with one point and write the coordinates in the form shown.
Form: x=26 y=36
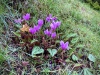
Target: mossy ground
x=76 y=17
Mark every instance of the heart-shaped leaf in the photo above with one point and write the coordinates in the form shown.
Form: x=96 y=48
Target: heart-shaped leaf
x=91 y=58
x=52 y=52
x=74 y=57
x=87 y=72
x=37 y=50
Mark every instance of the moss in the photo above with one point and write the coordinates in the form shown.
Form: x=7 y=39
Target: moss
x=94 y=3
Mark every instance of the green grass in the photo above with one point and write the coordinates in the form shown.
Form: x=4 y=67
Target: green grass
x=78 y=21
x=78 y=18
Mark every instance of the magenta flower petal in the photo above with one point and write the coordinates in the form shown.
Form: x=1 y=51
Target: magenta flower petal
x=61 y=42
x=58 y=24
x=18 y=20
x=32 y=30
x=26 y=16
x=40 y=22
x=47 y=32
x=48 y=18
x=37 y=28
x=54 y=18
x=50 y=15
x=53 y=35
x=53 y=27
x=64 y=46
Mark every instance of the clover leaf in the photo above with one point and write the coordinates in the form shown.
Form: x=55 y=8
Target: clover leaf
x=91 y=58
x=37 y=50
x=52 y=51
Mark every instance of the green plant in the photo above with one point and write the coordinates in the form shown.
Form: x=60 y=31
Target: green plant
x=37 y=50
x=52 y=51
x=80 y=26
x=94 y=3
x=2 y=56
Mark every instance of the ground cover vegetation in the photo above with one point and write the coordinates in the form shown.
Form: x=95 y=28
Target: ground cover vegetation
x=94 y=3
x=49 y=37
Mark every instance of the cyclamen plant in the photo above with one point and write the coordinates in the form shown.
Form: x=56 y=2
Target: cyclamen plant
x=36 y=28
x=63 y=45
x=44 y=42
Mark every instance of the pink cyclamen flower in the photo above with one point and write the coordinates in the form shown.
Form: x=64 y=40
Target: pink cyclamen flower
x=32 y=30
x=54 y=18
x=18 y=20
x=35 y=29
x=26 y=16
x=53 y=35
x=57 y=24
x=64 y=46
x=47 y=32
x=52 y=26
x=40 y=22
x=50 y=18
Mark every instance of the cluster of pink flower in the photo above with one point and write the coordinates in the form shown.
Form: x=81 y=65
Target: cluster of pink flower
x=54 y=24
x=25 y=17
x=36 y=28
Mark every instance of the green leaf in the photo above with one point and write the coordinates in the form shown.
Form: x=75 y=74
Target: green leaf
x=52 y=51
x=46 y=70
x=74 y=40
x=68 y=61
x=17 y=33
x=80 y=46
x=37 y=50
x=1 y=58
x=87 y=72
x=34 y=40
x=74 y=73
x=18 y=25
x=72 y=35
x=78 y=65
x=74 y=57
x=57 y=41
x=91 y=58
